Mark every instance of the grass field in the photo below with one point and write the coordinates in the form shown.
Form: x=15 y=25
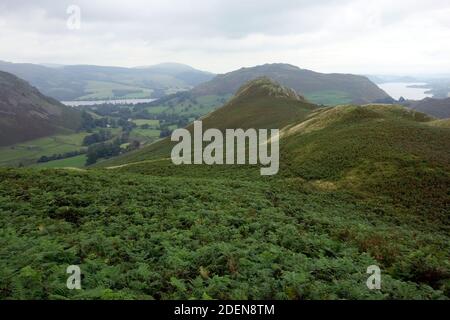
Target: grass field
x=329 y=98
x=152 y=123
x=156 y=109
x=145 y=134
x=73 y=162
x=27 y=153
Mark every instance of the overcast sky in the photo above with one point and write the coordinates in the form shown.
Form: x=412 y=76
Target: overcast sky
x=354 y=36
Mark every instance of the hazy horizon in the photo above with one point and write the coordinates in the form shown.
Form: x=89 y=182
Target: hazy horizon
x=349 y=36
x=55 y=65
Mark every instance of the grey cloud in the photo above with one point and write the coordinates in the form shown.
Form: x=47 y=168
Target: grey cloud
x=227 y=33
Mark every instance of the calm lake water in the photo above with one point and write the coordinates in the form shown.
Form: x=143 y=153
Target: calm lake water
x=401 y=89
x=94 y=102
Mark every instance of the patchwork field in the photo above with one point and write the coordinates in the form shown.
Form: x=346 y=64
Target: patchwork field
x=101 y=90
x=29 y=152
x=73 y=162
x=151 y=123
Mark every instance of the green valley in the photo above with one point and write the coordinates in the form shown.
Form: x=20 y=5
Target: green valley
x=90 y=82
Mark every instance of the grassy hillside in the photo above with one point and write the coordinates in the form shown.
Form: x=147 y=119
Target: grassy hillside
x=384 y=153
x=358 y=186
x=388 y=152
x=26 y=114
x=28 y=152
x=377 y=151
x=101 y=83
x=261 y=103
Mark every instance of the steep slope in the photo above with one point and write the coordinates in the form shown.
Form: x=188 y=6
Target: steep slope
x=327 y=89
x=26 y=114
x=439 y=108
x=261 y=103
x=98 y=82
x=375 y=151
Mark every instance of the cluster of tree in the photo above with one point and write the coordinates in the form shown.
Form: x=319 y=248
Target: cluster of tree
x=112 y=116
x=103 y=150
x=169 y=117
x=166 y=123
x=112 y=110
x=101 y=136
x=119 y=116
x=60 y=156
x=88 y=123
x=127 y=126
x=165 y=133
x=142 y=114
x=133 y=145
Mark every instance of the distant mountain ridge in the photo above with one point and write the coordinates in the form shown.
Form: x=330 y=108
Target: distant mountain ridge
x=89 y=82
x=439 y=108
x=358 y=88
x=327 y=89
x=26 y=114
x=380 y=79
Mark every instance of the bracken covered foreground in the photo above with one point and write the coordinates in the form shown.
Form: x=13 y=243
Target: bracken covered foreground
x=138 y=236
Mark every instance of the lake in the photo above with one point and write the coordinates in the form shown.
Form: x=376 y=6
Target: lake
x=94 y=102
x=402 y=89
